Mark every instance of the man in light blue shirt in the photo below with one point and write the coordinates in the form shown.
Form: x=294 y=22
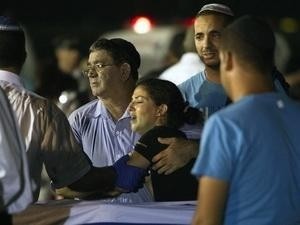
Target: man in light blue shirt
x=248 y=167
x=103 y=125
x=204 y=90
x=105 y=141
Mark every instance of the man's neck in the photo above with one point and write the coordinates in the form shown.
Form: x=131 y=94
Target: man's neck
x=115 y=110
x=117 y=105
x=212 y=74
x=251 y=84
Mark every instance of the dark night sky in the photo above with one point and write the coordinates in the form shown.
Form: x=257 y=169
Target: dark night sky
x=119 y=9
x=46 y=19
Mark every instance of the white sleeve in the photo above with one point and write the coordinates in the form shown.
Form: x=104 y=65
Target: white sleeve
x=15 y=182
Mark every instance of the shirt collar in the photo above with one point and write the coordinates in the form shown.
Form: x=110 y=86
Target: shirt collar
x=101 y=110
x=11 y=78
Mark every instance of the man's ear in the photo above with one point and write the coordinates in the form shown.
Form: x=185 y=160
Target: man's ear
x=162 y=110
x=227 y=57
x=125 y=71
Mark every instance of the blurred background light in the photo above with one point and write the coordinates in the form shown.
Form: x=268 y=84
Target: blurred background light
x=141 y=24
x=289 y=25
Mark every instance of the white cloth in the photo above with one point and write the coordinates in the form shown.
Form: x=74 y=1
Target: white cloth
x=96 y=212
x=15 y=182
x=147 y=212
x=188 y=65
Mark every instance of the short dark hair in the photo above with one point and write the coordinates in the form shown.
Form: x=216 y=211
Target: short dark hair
x=121 y=51
x=252 y=39
x=12 y=48
x=166 y=92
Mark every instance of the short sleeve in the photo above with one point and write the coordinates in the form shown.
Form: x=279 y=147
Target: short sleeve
x=74 y=121
x=218 y=151
x=183 y=87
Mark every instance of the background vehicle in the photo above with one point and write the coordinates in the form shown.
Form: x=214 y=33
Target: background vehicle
x=152 y=41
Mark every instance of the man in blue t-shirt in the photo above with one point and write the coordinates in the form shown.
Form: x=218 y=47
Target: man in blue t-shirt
x=209 y=22
x=249 y=164
x=204 y=90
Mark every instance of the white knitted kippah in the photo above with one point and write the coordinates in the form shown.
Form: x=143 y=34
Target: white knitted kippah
x=215 y=7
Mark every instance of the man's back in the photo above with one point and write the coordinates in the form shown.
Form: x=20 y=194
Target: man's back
x=48 y=137
x=261 y=162
x=15 y=182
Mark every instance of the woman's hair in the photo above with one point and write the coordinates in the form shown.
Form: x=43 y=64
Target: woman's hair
x=166 y=92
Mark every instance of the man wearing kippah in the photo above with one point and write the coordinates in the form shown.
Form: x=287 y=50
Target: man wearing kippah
x=249 y=163
x=48 y=137
x=204 y=90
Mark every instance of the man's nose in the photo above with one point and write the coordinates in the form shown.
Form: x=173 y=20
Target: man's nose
x=92 y=73
x=131 y=106
x=206 y=41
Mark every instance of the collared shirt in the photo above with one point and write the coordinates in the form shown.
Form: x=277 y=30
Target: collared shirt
x=188 y=65
x=47 y=133
x=105 y=141
x=15 y=182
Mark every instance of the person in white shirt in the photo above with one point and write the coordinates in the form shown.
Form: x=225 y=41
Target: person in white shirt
x=189 y=63
x=15 y=182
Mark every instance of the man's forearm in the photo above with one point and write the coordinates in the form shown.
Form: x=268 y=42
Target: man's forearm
x=96 y=180
x=104 y=181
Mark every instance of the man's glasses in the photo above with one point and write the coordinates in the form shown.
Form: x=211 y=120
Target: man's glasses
x=98 y=67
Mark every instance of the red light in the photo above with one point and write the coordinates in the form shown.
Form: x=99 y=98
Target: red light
x=188 y=22
x=141 y=24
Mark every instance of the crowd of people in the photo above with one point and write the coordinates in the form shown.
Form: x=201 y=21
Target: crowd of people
x=225 y=135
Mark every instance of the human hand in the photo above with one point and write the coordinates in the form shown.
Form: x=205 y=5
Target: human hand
x=129 y=178
x=67 y=193
x=178 y=153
